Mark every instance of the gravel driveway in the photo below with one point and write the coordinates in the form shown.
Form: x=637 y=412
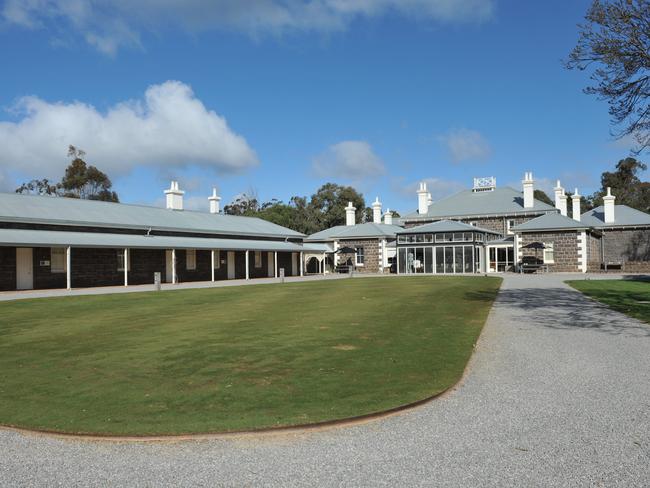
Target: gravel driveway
x=558 y=394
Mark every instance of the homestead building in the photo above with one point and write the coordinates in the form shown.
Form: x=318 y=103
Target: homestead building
x=365 y=247
x=512 y=231
x=48 y=242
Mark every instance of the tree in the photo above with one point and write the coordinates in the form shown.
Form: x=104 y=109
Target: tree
x=243 y=205
x=542 y=197
x=626 y=185
x=80 y=181
x=38 y=187
x=616 y=39
x=329 y=204
x=85 y=182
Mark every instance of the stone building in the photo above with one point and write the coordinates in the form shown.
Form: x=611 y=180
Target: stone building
x=52 y=242
x=365 y=247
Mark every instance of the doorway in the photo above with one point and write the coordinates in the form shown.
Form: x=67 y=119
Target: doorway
x=24 y=268
x=231 y=265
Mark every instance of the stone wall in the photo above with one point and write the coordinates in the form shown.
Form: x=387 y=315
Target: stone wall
x=565 y=249
x=370 y=251
x=495 y=224
x=7 y=268
x=626 y=245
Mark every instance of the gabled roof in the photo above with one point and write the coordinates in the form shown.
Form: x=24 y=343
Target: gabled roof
x=500 y=201
x=91 y=213
x=550 y=221
x=357 y=231
x=624 y=216
x=445 y=226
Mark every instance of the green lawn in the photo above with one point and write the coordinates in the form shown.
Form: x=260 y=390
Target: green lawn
x=235 y=358
x=629 y=297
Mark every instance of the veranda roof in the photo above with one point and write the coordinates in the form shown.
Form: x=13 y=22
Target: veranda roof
x=47 y=238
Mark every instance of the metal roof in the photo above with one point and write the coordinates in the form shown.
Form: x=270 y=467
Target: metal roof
x=552 y=221
x=92 y=213
x=317 y=247
x=445 y=226
x=500 y=201
x=48 y=238
x=357 y=231
x=624 y=216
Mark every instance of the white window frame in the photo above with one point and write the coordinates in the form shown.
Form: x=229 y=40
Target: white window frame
x=258 y=259
x=56 y=267
x=190 y=259
x=358 y=254
x=510 y=223
x=548 y=246
x=120 y=259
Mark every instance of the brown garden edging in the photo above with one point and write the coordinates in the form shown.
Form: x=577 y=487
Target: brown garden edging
x=267 y=431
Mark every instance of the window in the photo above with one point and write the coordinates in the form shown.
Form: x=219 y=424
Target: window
x=359 y=256
x=120 y=259
x=458 y=236
x=473 y=224
x=509 y=225
x=548 y=253
x=258 y=259
x=402 y=239
x=217 y=259
x=190 y=259
x=58 y=261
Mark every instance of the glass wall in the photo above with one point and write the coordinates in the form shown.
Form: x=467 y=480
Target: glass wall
x=439 y=259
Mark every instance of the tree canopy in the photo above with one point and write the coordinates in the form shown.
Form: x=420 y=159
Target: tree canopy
x=626 y=186
x=79 y=181
x=615 y=42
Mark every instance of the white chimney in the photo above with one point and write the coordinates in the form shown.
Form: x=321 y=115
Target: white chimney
x=608 y=203
x=214 y=202
x=575 y=202
x=349 y=214
x=376 y=211
x=388 y=217
x=423 y=199
x=174 y=197
x=429 y=199
x=560 y=199
x=529 y=190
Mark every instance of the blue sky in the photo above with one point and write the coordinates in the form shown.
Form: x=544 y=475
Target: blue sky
x=280 y=97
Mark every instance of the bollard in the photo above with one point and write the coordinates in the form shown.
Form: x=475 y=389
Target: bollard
x=281 y=275
x=156 y=281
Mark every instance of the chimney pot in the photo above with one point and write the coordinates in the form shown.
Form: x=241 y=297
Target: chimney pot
x=174 y=197
x=214 y=200
x=350 y=218
x=608 y=204
x=388 y=217
x=423 y=199
x=529 y=190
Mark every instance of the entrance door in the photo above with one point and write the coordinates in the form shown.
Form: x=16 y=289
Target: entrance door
x=270 y=259
x=169 y=267
x=24 y=268
x=231 y=265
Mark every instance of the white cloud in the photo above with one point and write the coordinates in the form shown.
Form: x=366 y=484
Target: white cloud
x=350 y=160
x=110 y=24
x=169 y=128
x=466 y=145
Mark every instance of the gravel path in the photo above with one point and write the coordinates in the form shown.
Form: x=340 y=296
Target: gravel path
x=558 y=394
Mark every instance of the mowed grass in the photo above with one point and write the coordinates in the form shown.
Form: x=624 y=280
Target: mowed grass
x=235 y=358
x=632 y=297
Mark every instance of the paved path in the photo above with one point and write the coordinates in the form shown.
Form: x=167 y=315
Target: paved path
x=558 y=394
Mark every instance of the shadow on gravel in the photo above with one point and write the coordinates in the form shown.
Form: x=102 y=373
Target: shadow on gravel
x=564 y=308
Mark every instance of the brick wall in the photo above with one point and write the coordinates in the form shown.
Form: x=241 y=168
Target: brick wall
x=7 y=268
x=371 y=254
x=565 y=247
